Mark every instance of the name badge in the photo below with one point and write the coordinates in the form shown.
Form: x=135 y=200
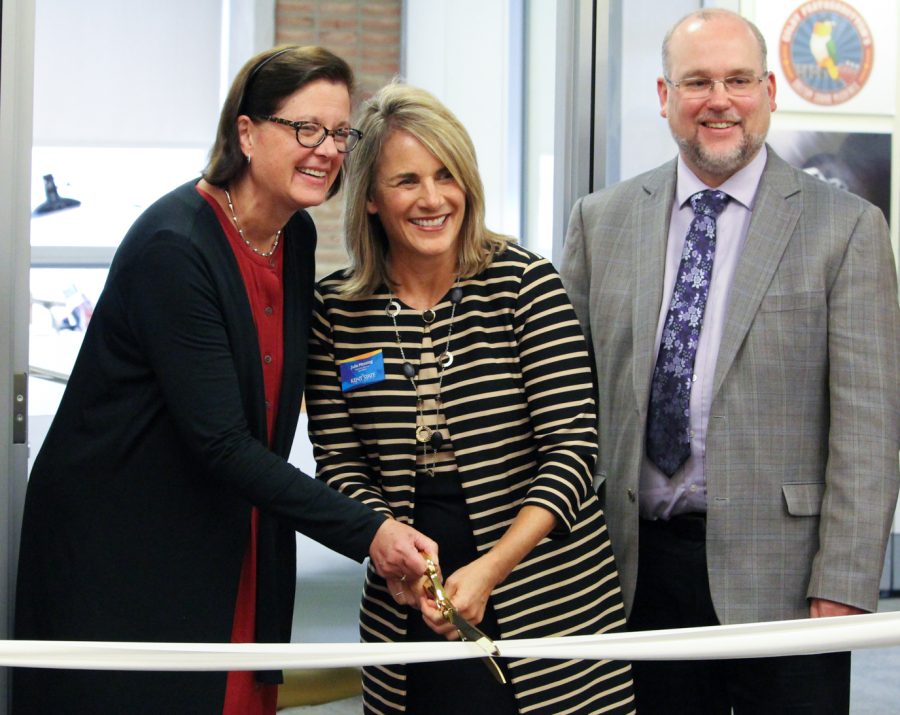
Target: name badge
x=361 y=370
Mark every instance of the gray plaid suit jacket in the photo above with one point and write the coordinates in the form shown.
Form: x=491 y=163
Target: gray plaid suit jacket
x=804 y=430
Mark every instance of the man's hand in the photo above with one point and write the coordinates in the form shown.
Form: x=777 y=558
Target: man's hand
x=822 y=608
x=395 y=551
x=407 y=591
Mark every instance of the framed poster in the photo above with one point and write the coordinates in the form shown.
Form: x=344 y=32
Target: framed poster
x=859 y=162
x=832 y=56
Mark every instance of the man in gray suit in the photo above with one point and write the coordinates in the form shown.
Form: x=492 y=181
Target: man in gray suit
x=745 y=325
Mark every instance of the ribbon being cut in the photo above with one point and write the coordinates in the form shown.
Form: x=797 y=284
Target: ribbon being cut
x=746 y=640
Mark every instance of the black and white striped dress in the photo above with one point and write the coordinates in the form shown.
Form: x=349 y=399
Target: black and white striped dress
x=518 y=409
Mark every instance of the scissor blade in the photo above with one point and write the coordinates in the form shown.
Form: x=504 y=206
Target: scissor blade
x=468 y=632
x=471 y=633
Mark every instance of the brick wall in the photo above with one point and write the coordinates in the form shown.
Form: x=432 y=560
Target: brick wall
x=366 y=33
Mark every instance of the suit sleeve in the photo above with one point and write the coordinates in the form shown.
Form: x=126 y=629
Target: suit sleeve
x=864 y=435
x=559 y=390
x=575 y=269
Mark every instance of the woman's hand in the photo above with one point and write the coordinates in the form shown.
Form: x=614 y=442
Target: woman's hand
x=435 y=620
x=470 y=587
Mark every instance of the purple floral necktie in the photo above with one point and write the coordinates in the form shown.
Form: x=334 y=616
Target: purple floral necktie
x=668 y=419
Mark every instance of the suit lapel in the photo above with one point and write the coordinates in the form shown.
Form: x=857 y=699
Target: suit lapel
x=772 y=223
x=651 y=231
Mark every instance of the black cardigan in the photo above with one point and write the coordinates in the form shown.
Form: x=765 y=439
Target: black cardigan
x=138 y=506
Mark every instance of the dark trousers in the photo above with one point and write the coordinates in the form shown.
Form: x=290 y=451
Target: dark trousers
x=673 y=592
x=453 y=687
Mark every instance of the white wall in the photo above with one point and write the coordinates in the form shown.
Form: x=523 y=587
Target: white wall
x=114 y=73
x=645 y=138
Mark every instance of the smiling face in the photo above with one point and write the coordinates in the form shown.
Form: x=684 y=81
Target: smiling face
x=289 y=175
x=419 y=203
x=719 y=134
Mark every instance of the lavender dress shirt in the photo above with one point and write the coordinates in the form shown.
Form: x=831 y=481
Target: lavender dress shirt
x=662 y=497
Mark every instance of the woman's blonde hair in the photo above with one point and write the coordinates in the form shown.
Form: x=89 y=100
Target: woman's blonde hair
x=395 y=107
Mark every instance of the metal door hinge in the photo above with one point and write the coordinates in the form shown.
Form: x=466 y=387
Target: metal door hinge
x=20 y=408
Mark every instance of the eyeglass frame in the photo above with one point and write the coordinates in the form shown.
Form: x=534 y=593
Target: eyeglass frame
x=713 y=82
x=326 y=132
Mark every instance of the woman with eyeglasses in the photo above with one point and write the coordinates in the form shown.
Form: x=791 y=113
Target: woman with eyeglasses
x=450 y=387
x=161 y=507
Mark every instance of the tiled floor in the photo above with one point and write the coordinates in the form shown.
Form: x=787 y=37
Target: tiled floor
x=350 y=706
x=874 y=690
x=875 y=676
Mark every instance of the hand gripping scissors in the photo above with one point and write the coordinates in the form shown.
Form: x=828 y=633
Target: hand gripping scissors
x=467 y=632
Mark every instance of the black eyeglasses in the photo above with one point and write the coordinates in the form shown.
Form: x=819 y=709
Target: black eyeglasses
x=311 y=134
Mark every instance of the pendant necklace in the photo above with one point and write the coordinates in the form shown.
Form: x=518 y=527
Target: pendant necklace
x=425 y=435
x=264 y=254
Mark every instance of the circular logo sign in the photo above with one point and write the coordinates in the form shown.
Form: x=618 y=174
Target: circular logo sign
x=826 y=51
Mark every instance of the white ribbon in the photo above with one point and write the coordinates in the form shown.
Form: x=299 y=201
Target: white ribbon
x=748 y=640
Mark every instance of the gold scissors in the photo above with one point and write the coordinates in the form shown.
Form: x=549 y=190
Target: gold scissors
x=467 y=632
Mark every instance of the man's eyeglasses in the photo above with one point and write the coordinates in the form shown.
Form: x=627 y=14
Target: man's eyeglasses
x=737 y=85
x=311 y=134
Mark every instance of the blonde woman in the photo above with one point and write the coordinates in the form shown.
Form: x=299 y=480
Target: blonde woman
x=450 y=388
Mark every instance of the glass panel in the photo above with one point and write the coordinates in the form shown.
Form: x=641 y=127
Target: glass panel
x=62 y=301
x=72 y=247
x=112 y=184
x=540 y=117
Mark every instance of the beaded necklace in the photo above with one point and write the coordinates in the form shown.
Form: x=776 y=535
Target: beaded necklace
x=426 y=436
x=264 y=254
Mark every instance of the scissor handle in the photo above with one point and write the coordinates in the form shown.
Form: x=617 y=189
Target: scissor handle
x=435 y=588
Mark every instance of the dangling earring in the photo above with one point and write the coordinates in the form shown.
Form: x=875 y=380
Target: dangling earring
x=248 y=158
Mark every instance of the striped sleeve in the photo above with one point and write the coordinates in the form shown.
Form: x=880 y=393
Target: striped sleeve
x=341 y=460
x=559 y=390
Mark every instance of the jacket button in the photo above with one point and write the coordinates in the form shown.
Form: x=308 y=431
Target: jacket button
x=631 y=495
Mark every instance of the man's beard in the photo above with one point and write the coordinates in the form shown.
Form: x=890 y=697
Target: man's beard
x=720 y=165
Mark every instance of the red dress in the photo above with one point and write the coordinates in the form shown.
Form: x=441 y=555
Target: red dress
x=263 y=279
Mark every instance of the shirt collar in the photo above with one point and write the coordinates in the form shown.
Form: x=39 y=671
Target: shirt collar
x=740 y=186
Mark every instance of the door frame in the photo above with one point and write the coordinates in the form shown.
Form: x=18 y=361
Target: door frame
x=16 y=91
